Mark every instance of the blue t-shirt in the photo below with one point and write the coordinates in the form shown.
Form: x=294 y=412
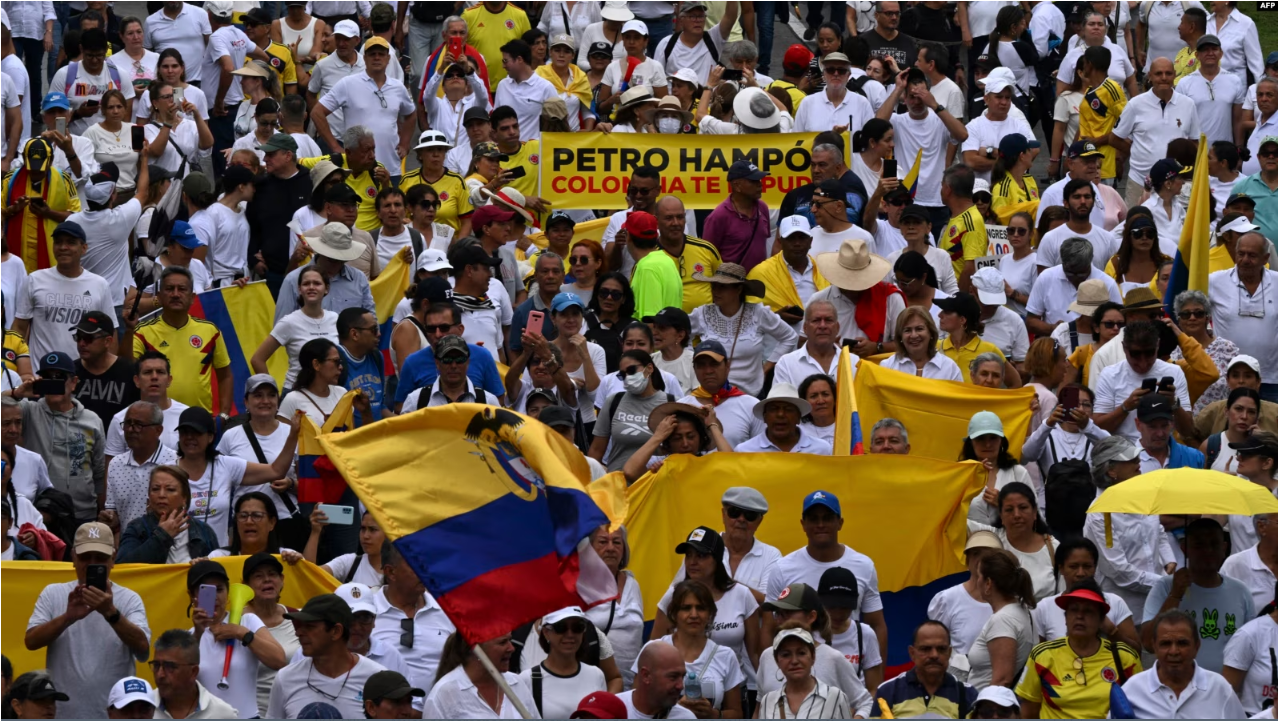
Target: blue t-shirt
x=366 y=375
x=418 y=372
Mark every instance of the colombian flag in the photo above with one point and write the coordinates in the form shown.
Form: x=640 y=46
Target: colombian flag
x=318 y=481
x=488 y=507
x=911 y=181
x=244 y=316
x=1190 y=267
x=388 y=290
x=848 y=425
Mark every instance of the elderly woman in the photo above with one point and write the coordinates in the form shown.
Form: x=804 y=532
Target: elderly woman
x=1067 y=433
x=570 y=82
x=736 y=621
x=960 y=318
x=986 y=443
x=1076 y=561
x=802 y=696
x=561 y=680
x=691 y=612
x=819 y=391
x=743 y=328
x=1140 y=553
x=1003 y=645
x=917 y=352
x=622 y=619
x=167 y=534
x=1138 y=260
x=987 y=370
x=644 y=392
x=801 y=608
x=1093 y=658
x=1193 y=311
x=677 y=429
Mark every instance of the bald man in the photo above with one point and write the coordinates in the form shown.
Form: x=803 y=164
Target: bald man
x=659 y=684
x=1149 y=122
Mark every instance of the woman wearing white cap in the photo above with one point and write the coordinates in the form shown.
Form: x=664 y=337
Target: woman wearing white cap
x=802 y=696
x=754 y=110
x=561 y=680
x=962 y=608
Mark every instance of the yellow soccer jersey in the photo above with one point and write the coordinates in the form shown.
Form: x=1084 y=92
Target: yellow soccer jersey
x=1098 y=114
x=1053 y=679
x=698 y=257
x=455 y=203
x=965 y=238
x=194 y=351
x=364 y=185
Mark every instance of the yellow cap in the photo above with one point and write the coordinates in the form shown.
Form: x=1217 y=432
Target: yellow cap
x=376 y=42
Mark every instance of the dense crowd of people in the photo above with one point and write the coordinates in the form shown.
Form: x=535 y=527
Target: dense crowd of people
x=310 y=146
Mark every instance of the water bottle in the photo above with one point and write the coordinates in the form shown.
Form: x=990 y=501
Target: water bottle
x=692 y=685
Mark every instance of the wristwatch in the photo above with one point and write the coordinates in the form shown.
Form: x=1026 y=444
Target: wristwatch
x=939 y=109
x=111 y=620
x=247 y=639
x=990 y=152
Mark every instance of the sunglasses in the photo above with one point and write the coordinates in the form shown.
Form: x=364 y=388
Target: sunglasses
x=735 y=513
x=437 y=328
x=431 y=205
x=609 y=293
x=454 y=360
x=86 y=338
x=1015 y=231
x=893 y=201
x=1148 y=233
x=580 y=260
x=564 y=626
x=838 y=72
x=1113 y=324
x=455 y=76
x=1192 y=314
x=1267 y=153
x=406 y=633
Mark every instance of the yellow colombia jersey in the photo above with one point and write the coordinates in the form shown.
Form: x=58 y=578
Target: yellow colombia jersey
x=194 y=350
x=965 y=238
x=15 y=347
x=1008 y=193
x=364 y=185
x=528 y=157
x=455 y=203
x=964 y=355
x=1098 y=113
x=489 y=31
x=698 y=257
x=281 y=62
x=1184 y=64
x=1052 y=679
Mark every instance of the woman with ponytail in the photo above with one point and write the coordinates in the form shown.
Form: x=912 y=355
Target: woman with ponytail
x=1003 y=645
x=1015 y=54
x=1086 y=656
x=872 y=145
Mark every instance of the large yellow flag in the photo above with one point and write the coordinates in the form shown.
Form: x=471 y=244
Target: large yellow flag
x=848 y=426
x=1190 y=267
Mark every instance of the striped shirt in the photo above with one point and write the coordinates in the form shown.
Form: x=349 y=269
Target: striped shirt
x=906 y=697
x=824 y=702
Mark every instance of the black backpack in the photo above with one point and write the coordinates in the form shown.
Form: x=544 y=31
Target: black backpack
x=857 y=85
x=1068 y=492
x=706 y=40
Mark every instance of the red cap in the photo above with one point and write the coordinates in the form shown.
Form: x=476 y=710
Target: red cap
x=600 y=705
x=1087 y=595
x=641 y=225
x=797 y=58
x=490 y=213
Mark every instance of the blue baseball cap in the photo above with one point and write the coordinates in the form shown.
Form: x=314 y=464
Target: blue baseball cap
x=69 y=228
x=55 y=101
x=566 y=300
x=57 y=361
x=822 y=498
x=184 y=235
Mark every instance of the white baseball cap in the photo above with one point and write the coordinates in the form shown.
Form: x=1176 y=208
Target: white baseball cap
x=981 y=185
x=989 y=283
x=686 y=75
x=635 y=26
x=998 y=79
x=1246 y=360
x=130 y=690
x=1001 y=696
x=220 y=8
x=357 y=596
x=432 y=259
x=795 y=224
x=562 y=614
x=1239 y=225
x=347 y=28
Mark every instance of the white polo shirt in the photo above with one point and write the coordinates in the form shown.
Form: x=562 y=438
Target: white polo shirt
x=1150 y=123
x=1103 y=245
x=526 y=98
x=1248 y=320
x=431 y=628
x=807 y=445
x=1118 y=381
x=187 y=33
x=940 y=367
x=1053 y=293
x=817 y=112
x=227 y=40
x=325 y=75
x=696 y=58
x=984 y=132
x=1208 y=696
x=1247 y=568
x=797 y=365
x=1216 y=100
x=378 y=109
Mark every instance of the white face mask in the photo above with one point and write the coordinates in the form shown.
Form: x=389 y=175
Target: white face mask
x=636 y=383
x=669 y=125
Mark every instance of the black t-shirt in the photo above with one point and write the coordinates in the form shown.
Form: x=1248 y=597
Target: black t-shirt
x=901 y=48
x=269 y=213
x=106 y=394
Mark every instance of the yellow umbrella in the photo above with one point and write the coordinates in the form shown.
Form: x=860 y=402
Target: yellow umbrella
x=1184 y=491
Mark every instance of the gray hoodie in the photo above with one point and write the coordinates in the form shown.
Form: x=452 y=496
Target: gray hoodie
x=72 y=444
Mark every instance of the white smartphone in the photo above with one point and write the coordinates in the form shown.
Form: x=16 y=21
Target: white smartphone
x=61 y=125
x=177 y=97
x=338 y=514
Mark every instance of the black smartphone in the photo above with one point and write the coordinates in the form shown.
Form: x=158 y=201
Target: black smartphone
x=49 y=387
x=1149 y=384
x=91 y=103
x=1069 y=398
x=518 y=171
x=890 y=168
x=1167 y=383
x=137 y=299
x=95 y=575
x=139 y=137
x=733 y=74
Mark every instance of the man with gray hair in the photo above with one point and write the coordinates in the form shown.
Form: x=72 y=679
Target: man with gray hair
x=129 y=475
x=176 y=666
x=819 y=354
x=888 y=436
x=365 y=176
x=1052 y=300
x=827 y=164
x=344 y=61
x=1243 y=308
x=744 y=55
x=548 y=276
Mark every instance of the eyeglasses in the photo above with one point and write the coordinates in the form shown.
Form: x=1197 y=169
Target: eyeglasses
x=133 y=424
x=381 y=98
x=1015 y=231
x=1267 y=153
x=437 y=328
x=455 y=76
x=251 y=515
x=168 y=667
x=735 y=513
x=430 y=205
x=322 y=693
x=1113 y=324
x=1080 y=678
x=167 y=97
x=406 y=633
x=454 y=360
x=892 y=201
x=609 y=293
x=373 y=328
x=336 y=360
x=564 y=626
x=580 y=260
x=1192 y=314
x=1148 y=233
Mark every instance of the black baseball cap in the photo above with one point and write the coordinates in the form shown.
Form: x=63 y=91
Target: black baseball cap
x=342 y=195
x=963 y=304
x=95 y=323
x=1154 y=407
x=704 y=540
x=1255 y=446
x=561 y=217
x=830 y=188
x=745 y=170
x=557 y=417
x=57 y=361
x=202 y=570
x=472 y=255
x=197 y=419
x=261 y=559
x=1241 y=198
x=256 y=16
x=37 y=687
x=838 y=588
x=600 y=48
x=474 y=112
x=391 y=685
x=671 y=317
x=916 y=212
x=324 y=608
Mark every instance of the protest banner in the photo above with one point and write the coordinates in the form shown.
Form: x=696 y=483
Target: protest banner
x=997 y=243
x=593 y=170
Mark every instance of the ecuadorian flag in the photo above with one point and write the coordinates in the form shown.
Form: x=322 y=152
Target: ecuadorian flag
x=848 y=425
x=1190 y=267
x=244 y=316
x=490 y=508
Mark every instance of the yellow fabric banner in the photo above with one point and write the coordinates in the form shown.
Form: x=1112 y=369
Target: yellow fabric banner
x=163 y=588
x=936 y=413
x=592 y=170
x=877 y=492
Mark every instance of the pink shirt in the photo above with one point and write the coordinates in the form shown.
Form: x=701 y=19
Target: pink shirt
x=740 y=239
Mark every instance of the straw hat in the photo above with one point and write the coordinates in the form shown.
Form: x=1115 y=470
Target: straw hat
x=854 y=267
x=638 y=95
x=670 y=104
x=732 y=274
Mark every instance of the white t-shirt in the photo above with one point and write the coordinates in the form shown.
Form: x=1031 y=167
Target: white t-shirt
x=17 y=92
x=825 y=242
x=731 y=612
x=211 y=495
x=54 y=303
x=229 y=249
x=184 y=136
x=800 y=566
x=107 y=234
x=243 y=675
x=235 y=442
x=340 y=567
x=87 y=87
x=676 y=712
x=1050 y=619
x=984 y=132
x=965 y=616
x=937 y=258
x=561 y=695
x=1118 y=381
x=295 y=687
x=187 y=33
x=13 y=283
x=115 y=148
x=315 y=407
x=929 y=133
x=135 y=70
x=1020 y=274
x=389 y=245
x=169 y=437
x=649 y=72
x=1103 y=245
x=227 y=40
x=862 y=656
x=295 y=330
x=1252 y=648
x=192 y=94
x=1012 y=621
x=697 y=58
